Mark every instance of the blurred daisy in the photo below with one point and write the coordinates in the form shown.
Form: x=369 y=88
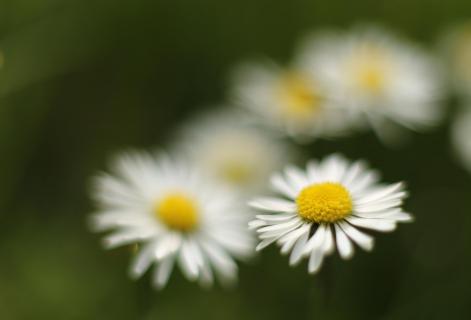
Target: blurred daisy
x=461 y=136
x=378 y=75
x=228 y=148
x=289 y=100
x=174 y=216
x=456 y=44
x=327 y=207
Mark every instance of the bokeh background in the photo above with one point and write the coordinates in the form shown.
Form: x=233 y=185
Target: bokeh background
x=83 y=79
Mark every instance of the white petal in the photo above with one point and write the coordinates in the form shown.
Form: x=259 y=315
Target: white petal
x=280 y=226
x=143 y=260
x=111 y=219
x=265 y=243
x=317 y=240
x=223 y=264
x=352 y=173
x=255 y=224
x=373 y=224
x=280 y=185
x=313 y=172
x=378 y=207
x=334 y=168
x=344 y=245
x=328 y=247
x=275 y=217
x=288 y=240
x=315 y=260
x=273 y=204
x=278 y=233
x=187 y=262
x=206 y=276
x=196 y=253
x=121 y=238
x=163 y=271
x=401 y=216
x=298 y=249
x=382 y=193
x=394 y=214
x=365 y=181
x=296 y=177
x=365 y=241
x=167 y=244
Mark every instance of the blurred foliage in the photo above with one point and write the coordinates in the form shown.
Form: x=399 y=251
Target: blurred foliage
x=83 y=79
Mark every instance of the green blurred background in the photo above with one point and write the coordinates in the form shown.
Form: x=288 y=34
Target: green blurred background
x=83 y=79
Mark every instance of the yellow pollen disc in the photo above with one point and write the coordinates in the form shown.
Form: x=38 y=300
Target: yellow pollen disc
x=236 y=173
x=298 y=96
x=370 y=69
x=462 y=54
x=324 y=202
x=177 y=211
x=371 y=78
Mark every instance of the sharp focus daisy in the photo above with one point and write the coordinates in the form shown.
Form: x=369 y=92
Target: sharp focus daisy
x=290 y=100
x=461 y=136
x=174 y=216
x=375 y=74
x=329 y=205
x=227 y=147
x=456 y=45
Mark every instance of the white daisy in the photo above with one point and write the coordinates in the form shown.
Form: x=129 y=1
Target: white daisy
x=290 y=100
x=175 y=217
x=227 y=147
x=377 y=75
x=325 y=208
x=456 y=44
x=461 y=136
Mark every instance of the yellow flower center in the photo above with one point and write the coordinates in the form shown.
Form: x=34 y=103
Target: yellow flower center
x=177 y=211
x=371 y=78
x=324 y=202
x=462 y=58
x=370 y=70
x=297 y=96
x=236 y=173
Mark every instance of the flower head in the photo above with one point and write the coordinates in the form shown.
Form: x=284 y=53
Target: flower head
x=325 y=208
x=290 y=100
x=377 y=75
x=174 y=215
x=227 y=147
x=456 y=45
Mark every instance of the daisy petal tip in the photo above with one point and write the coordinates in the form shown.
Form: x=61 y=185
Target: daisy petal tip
x=348 y=257
x=260 y=247
x=315 y=269
x=134 y=274
x=370 y=247
x=408 y=218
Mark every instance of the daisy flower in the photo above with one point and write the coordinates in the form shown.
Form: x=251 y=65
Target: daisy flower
x=174 y=216
x=228 y=148
x=376 y=75
x=456 y=45
x=326 y=207
x=289 y=100
x=461 y=136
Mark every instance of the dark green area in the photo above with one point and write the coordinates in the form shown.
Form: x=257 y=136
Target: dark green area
x=85 y=78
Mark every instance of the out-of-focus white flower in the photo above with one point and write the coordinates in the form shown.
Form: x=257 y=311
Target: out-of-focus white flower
x=456 y=44
x=174 y=215
x=326 y=207
x=373 y=73
x=227 y=147
x=289 y=100
x=461 y=136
